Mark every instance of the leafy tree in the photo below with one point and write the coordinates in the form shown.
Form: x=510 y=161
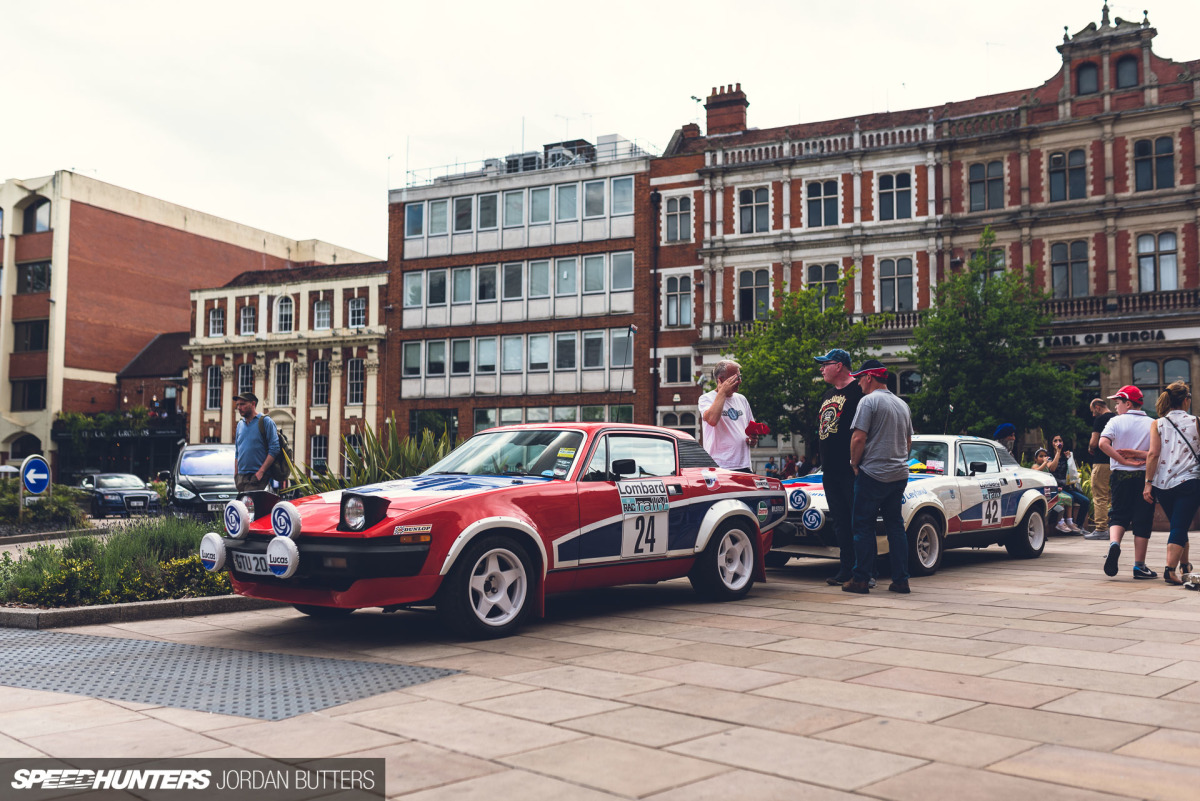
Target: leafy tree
x=779 y=374
x=980 y=354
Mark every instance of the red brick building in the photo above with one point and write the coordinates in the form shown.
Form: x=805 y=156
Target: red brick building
x=92 y=273
x=1090 y=177
x=516 y=283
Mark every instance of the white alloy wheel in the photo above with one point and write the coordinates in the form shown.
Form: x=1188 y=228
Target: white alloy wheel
x=928 y=545
x=1035 y=531
x=735 y=559
x=498 y=586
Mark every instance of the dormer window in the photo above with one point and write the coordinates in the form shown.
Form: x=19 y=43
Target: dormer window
x=1127 y=72
x=1087 y=79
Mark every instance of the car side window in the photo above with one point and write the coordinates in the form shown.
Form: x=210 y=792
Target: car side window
x=977 y=452
x=653 y=456
x=597 y=469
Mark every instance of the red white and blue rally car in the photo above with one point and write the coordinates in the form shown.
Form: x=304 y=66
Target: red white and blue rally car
x=509 y=517
x=963 y=492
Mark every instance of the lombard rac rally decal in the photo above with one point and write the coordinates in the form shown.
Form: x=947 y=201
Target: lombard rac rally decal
x=645 y=507
x=813 y=519
x=991 y=502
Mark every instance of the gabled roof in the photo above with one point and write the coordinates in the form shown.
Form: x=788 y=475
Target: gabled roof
x=161 y=358
x=316 y=272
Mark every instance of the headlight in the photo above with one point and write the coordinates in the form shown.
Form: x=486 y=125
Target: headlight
x=356 y=514
x=249 y=502
x=183 y=493
x=113 y=498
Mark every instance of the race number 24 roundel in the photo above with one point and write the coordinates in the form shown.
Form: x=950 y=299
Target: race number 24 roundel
x=644 y=510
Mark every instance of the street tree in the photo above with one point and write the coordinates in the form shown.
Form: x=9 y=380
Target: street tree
x=779 y=375
x=980 y=354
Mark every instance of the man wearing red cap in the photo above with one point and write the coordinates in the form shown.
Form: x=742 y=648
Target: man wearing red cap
x=879 y=449
x=1126 y=440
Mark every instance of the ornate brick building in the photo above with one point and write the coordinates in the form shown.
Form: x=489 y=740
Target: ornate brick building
x=1090 y=177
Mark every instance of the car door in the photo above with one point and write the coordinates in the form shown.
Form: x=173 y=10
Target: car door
x=625 y=493
x=981 y=489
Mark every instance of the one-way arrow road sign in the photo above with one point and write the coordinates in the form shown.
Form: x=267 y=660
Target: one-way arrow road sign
x=35 y=474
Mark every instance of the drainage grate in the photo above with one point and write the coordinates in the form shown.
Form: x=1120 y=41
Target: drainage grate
x=250 y=684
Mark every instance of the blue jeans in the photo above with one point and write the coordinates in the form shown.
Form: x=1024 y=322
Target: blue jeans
x=1077 y=499
x=872 y=498
x=1179 y=503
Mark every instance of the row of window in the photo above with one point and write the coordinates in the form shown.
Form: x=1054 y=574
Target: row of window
x=593 y=274
x=516 y=208
x=1087 y=75
x=572 y=350
x=1153 y=168
x=285 y=317
x=282 y=385
x=895 y=203
x=491 y=418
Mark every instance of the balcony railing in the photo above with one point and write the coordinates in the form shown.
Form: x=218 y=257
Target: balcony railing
x=822 y=145
x=1180 y=300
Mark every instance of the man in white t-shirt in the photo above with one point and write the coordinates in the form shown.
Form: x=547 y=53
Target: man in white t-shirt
x=1126 y=440
x=726 y=414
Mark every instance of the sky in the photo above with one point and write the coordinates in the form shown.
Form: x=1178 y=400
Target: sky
x=288 y=118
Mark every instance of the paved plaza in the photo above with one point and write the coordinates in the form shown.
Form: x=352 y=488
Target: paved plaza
x=994 y=679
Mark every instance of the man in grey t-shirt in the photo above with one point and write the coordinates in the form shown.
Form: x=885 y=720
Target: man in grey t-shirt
x=879 y=448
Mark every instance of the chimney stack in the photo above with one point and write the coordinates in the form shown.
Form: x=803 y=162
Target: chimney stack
x=726 y=110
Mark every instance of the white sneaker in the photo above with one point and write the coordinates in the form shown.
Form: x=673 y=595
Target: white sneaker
x=1063 y=528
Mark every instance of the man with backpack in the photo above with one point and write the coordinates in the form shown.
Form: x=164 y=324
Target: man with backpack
x=257 y=445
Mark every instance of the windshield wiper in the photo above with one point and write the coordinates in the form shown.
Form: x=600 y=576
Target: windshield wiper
x=447 y=473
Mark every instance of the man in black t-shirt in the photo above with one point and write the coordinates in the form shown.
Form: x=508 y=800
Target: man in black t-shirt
x=1101 y=498
x=838 y=405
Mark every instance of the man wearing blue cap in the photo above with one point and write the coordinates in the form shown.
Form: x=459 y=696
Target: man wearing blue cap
x=838 y=405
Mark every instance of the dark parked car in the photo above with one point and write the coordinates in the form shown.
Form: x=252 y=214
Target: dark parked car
x=202 y=481
x=120 y=494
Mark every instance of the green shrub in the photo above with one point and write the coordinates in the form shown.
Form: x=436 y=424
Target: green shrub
x=378 y=458
x=63 y=506
x=148 y=560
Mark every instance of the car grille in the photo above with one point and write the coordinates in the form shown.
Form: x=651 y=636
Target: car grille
x=146 y=501
x=217 y=496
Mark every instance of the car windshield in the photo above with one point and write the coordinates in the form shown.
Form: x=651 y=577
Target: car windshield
x=125 y=481
x=216 y=462
x=928 y=457
x=543 y=452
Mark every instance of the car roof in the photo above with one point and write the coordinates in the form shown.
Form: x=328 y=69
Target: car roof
x=209 y=446
x=591 y=428
x=111 y=475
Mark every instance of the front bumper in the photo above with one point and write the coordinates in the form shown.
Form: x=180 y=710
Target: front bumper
x=362 y=559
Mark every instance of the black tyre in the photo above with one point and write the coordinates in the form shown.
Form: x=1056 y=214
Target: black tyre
x=322 y=611
x=488 y=592
x=777 y=558
x=725 y=571
x=1028 y=539
x=926 y=543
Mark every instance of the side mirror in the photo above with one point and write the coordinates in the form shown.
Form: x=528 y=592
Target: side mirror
x=624 y=467
x=978 y=467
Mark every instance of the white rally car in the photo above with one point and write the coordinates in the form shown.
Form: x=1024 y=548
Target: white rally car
x=963 y=492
